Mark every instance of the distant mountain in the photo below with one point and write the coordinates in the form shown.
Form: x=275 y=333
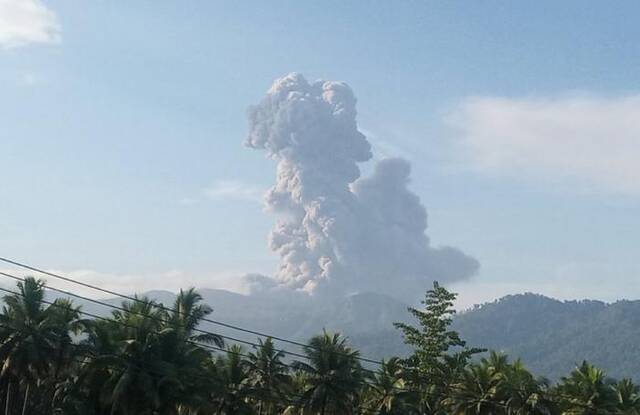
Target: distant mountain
x=550 y=336
x=366 y=318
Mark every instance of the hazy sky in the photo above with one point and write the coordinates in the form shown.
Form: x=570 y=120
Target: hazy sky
x=122 y=124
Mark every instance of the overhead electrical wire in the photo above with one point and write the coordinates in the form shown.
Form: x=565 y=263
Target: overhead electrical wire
x=162 y=306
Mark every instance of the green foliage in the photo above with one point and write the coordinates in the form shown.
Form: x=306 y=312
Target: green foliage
x=268 y=378
x=552 y=335
x=333 y=376
x=439 y=354
x=433 y=339
x=147 y=360
x=387 y=393
x=587 y=391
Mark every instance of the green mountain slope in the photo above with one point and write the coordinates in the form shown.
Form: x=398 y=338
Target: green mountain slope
x=551 y=336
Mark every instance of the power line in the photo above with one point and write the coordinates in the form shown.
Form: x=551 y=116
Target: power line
x=227 y=351
x=296 y=398
x=292 y=399
x=154 y=304
x=119 y=308
x=169 y=309
x=159 y=305
x=97 y=317
x=206 y=346
x=124 y=324
x=93 y=357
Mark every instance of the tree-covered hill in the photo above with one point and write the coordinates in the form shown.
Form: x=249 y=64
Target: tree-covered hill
x=148 y=358
x=551 y=336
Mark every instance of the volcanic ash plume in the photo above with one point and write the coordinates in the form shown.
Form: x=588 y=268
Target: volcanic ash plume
x=337 y=233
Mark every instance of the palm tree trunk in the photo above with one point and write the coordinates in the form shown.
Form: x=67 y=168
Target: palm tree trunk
x=7 y=404
x=26 y=399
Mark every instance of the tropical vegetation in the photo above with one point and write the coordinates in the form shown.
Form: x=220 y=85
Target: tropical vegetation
x=151 y=359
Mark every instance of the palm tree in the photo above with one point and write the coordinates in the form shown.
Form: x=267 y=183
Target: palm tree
x=333 y=375
x=628 y=397
x=525 y=394
x=129 y=365
x=268 y=377
x=66 y=321
x=298 y=385
x=387 y=393
x=497 y=362
x=184 y=346
x=477 y=393
x=29 y=334
x=233 y=375
x=148 y=359
x=187 y=314
x=587 y=391
x=495 y=386
x=102 y=344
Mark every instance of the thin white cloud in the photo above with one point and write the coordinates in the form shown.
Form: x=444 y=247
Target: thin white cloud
x=234 y=190
x=587 y=140
x=24 y=22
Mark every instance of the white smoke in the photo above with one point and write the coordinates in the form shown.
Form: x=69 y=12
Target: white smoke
x=338 y=233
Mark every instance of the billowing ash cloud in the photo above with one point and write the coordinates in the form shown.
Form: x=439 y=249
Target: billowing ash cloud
x=336 y=232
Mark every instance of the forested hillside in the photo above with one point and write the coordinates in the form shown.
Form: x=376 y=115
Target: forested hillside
x=148 y=358
x=551 y=336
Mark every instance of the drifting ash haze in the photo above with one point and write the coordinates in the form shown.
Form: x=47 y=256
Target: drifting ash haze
x=338 y=233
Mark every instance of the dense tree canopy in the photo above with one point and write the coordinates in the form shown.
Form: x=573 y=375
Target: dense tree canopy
x=148 y=359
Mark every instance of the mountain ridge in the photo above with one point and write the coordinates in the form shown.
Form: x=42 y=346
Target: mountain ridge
x=551 y=336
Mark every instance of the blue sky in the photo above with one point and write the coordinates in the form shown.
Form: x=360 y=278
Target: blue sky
x=123 y=122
